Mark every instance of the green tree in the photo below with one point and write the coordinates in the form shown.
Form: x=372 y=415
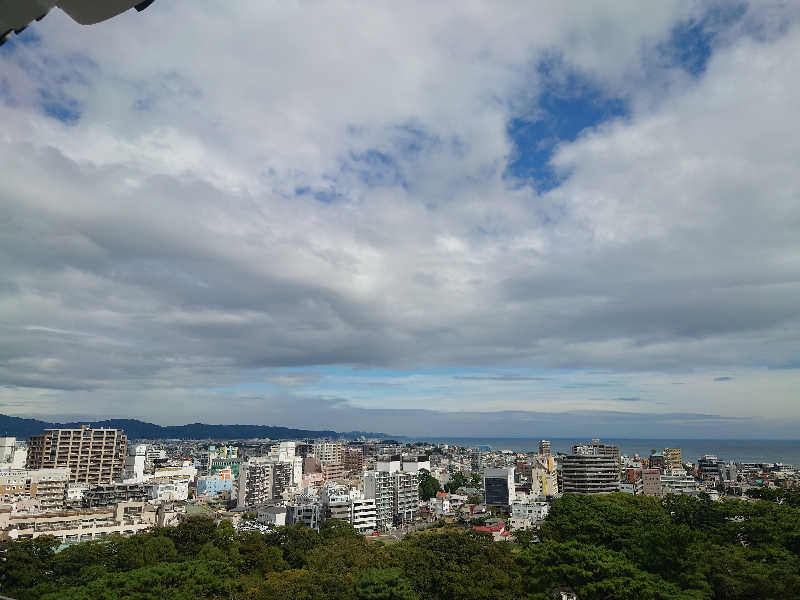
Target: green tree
x=346 y=556
x=336 y=529
x=26 y=563
x=595 y=573
x=300 y=584
x=428 y=485
x=191 y=535
x=135 y=552
x=384 y=584
x=74 y=562
x=453 y=563
x=295 y=541
x=457 y=480
x=166 y=581
x=476 y=480
x=525 y=537
x=256 y=557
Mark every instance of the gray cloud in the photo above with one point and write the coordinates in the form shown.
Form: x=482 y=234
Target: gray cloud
x=723 y=378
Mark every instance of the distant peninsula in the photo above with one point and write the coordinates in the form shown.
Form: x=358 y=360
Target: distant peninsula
x=136 y=429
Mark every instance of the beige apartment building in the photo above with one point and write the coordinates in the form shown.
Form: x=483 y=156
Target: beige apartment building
x=93 y=456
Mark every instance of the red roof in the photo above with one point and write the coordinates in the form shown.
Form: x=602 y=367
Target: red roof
x=490 y=528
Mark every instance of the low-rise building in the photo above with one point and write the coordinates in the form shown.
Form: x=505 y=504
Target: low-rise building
x=272 y=516
x=168 y=489
x=651 y=482
x=213 y=485
x=72 y=526
x=114 y=493
x=528 y=514
x=47 y=486
x=677 y=481
x=304 y=509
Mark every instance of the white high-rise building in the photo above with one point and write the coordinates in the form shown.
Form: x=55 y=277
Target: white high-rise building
x=7 y=447
x=396 y=494
x=134 y=463
x=378 y=487
x=390 y=463
x=348 y=504
x=283 y=451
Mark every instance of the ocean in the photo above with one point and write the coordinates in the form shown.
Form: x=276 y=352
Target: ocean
x=785 y=451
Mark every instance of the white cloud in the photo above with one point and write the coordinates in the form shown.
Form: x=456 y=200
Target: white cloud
x=165 y=223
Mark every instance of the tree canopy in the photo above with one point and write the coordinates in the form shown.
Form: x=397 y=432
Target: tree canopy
x=615 y=546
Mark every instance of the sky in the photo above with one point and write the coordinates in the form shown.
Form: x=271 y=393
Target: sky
x=457 y=218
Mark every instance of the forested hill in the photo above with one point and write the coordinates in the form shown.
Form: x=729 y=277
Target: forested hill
x=619 y=547
x=135 y=429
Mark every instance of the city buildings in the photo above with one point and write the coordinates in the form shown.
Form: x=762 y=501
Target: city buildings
x=396 y=493
x=677 y=481
x=378 y=485
x=527 y=514
x=499 y=486
x=657 y=460
x=213 y=485
x=71 y=526
x=346 y=504
x=135 y=463
x=329 y=452
x=12 y=456
x=48 y=487
x=168 y=489
x=262 y=480
x=93 y=456
x=597 y=449
x=305 y=509
x=110 y=494
x=353 y=459
x=673 y=458
x=708 y=467
x=651 y=482
x=272 y=516
x=589 y=474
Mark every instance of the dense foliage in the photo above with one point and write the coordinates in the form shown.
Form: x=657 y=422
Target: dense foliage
x=781 y=496
x=602 y=547
x=428 y=485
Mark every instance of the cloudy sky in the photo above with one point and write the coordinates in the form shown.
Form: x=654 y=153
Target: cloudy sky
x=421 y=218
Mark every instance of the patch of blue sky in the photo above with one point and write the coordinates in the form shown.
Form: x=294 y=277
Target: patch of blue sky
x=568 y=105
x=325 y=195
x=691 y=42
x=376 y=168
x=59 y=106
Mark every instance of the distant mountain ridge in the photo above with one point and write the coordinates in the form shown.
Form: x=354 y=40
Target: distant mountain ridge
x=135 y=429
